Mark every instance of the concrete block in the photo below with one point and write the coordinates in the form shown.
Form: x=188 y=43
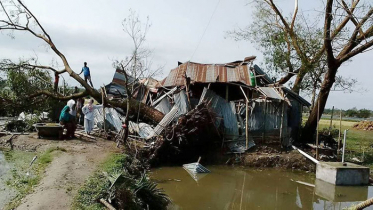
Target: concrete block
x=336 y=193
x=338 y=174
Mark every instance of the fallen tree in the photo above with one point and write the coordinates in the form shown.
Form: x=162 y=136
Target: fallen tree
x=191 y=136
x=18 y=17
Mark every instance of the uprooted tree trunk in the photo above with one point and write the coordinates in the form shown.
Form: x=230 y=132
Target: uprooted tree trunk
x=11 y=23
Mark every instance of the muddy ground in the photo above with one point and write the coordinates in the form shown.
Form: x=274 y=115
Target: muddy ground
x=66 y=173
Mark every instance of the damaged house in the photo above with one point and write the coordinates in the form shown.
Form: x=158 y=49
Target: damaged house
x=242 y=106
x=274 y=113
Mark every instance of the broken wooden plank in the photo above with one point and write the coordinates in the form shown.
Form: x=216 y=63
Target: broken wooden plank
x=85 y=135
x=108 y=205
x=14 y=133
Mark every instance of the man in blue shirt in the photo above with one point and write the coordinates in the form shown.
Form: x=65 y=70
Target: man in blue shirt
x=87 y=74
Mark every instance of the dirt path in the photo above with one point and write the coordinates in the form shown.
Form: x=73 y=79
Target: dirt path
x=66 y=173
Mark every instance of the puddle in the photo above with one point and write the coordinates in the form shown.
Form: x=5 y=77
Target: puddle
x=235 y=188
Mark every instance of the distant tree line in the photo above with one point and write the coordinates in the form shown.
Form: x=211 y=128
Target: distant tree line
x=354 y=112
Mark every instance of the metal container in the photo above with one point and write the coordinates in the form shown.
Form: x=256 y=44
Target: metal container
x=49 y=130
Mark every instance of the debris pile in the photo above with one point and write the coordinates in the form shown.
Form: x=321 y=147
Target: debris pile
x=364 y=125
x=181 y=140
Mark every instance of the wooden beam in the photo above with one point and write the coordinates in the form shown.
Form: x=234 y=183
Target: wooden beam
x=247 y=124
x=103 y=107
x=282 y=120
x=227 y=92
x=106 y=204
x=331 y=121
x=247 y=118
x=317 y=131
x=339 y=134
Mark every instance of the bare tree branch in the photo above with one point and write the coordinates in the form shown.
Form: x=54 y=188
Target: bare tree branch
x=59 y=96
x=294 y=15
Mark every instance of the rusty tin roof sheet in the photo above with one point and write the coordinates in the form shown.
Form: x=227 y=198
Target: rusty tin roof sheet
x=207 y=73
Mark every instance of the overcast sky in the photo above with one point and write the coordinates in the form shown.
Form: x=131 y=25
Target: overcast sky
x=91 y=31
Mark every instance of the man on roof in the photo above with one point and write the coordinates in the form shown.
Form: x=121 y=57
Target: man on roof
x=87 y=73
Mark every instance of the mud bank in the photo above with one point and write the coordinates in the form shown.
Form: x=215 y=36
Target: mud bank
x=66 y=171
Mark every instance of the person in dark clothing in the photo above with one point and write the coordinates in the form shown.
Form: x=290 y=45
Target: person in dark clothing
x=86 y=73
x=66 y=119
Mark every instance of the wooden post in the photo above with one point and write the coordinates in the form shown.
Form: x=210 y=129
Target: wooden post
x=331 y=121
x=226 y=92
x=247 y=124
x=187 y=90
x=103 y=107
x=264 y=121
x=339 y=133
x=282 y=120
x=247 y=118
x=106 y=204
x=317 y=131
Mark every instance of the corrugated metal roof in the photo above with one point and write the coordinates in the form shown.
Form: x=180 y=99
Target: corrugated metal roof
x=223 y=109
x=207 y=73
x=181 y=101
x=296 y=96
x=112 y=117
x=167 y=119
x=164 y=106
x=120 y=79
x=195 y=168
x=259 y=71
x=270 y=92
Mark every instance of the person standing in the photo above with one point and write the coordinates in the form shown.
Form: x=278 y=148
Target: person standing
x=71 y=103
x=89 y=116
x=86 y=73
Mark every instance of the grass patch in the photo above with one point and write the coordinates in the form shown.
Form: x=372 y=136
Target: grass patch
x=97 y=185
x=359 y=143
x=24 y=176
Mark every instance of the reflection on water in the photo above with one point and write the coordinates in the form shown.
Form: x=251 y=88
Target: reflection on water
x=235 y=188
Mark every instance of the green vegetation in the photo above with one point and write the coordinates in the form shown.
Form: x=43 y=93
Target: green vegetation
x=97 y=185
x=354 y=112
x=358 y=142
x=24 y=176
x=120 y=180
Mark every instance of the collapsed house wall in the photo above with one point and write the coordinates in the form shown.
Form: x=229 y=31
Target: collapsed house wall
x=267 y=118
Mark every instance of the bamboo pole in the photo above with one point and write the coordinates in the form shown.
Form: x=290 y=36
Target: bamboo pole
x=331 y=121
x=282 y=120
x=106 y=204
x=339 y=133
x=264 y=121
x=247 y=125
x=103 y=108
x=226 y=92
x=317 y=131
x=247 y=118
x=344 y=146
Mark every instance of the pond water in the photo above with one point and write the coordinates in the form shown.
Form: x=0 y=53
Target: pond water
x=236 y=188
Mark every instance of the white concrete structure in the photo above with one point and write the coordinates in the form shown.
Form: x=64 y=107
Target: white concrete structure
x=338 y=174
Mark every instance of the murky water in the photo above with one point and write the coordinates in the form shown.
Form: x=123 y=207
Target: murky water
x=235 y=188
